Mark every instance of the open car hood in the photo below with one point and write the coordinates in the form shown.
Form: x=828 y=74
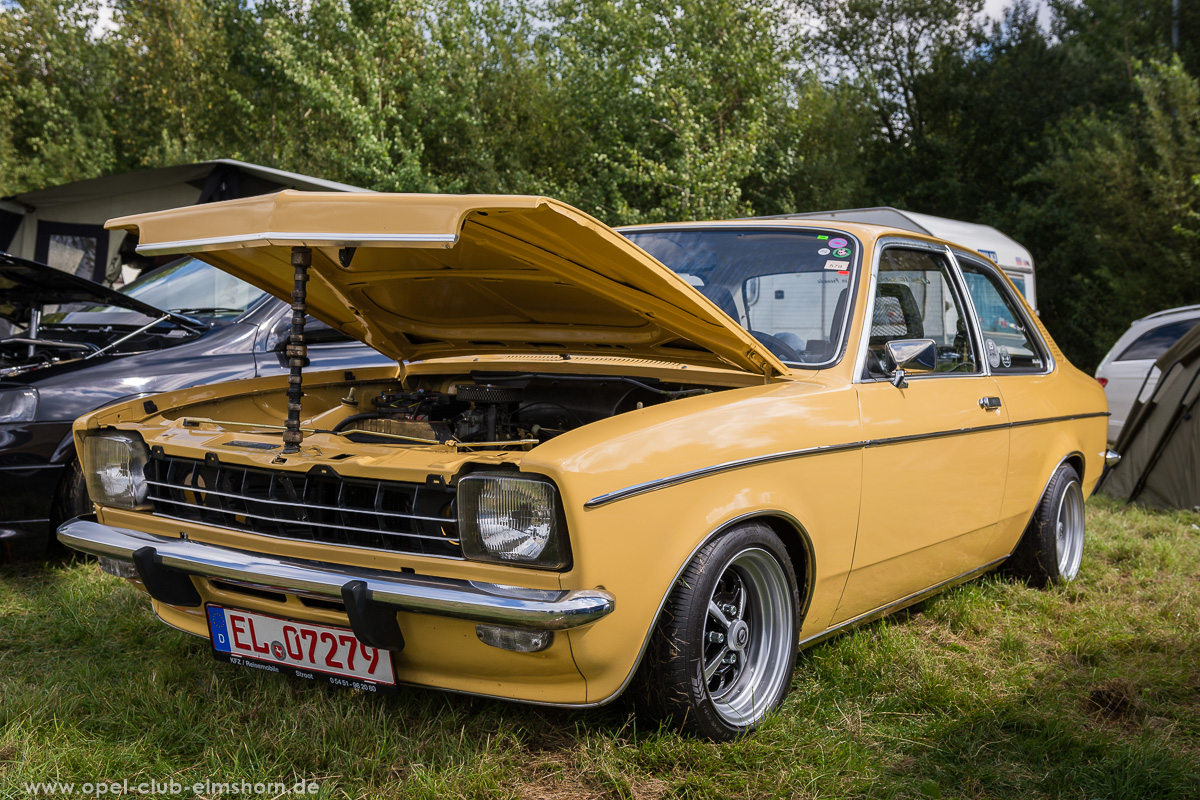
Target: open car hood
x=27 y=284
x=419 y=276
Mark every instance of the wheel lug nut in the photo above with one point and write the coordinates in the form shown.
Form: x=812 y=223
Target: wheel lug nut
x=730 y=611
x=716 y=638
x=730 y=659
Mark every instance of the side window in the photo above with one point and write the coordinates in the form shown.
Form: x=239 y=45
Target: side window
x=1008 y=343
x=915 y=299
x=1153 y=343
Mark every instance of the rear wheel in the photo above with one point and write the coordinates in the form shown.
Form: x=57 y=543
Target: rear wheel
x=722 y=654
x=1052 y=547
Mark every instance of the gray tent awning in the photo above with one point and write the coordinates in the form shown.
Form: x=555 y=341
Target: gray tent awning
x=271 y=180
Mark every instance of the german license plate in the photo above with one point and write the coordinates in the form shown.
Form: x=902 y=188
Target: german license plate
x=315 y=652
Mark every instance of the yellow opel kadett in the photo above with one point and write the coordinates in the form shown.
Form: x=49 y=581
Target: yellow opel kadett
x=661 y=458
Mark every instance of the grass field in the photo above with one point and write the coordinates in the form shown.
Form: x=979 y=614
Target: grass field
x=990 y=690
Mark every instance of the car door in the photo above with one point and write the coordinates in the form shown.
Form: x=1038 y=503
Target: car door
x=1023 y=374
x=936 y=449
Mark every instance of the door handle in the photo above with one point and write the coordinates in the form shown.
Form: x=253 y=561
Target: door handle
x=989 y=403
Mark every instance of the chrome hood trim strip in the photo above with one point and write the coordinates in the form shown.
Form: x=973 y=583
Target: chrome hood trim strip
x=302 y=239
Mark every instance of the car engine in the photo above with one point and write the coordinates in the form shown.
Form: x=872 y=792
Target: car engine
x=496 y=409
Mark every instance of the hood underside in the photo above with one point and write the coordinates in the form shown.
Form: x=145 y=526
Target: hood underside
x=420 y=276
x=26 y=285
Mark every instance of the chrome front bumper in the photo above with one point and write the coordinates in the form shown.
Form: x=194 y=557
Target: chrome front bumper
x=532 y=609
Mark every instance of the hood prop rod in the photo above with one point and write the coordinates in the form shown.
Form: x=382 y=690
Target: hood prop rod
x=297 y=352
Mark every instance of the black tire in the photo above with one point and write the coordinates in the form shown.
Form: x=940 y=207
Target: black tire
x=1052 y=546
x=70 y=501
x=747 y=574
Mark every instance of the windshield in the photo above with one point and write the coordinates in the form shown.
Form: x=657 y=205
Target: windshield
x=788 y=288
x=187 y=286
x=192 y=287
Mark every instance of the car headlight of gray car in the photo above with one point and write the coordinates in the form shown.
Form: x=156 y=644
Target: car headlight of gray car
x=19 y=404
x=510 y=519
x=117 y=469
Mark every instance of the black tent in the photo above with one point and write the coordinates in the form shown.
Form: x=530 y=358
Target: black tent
x=1160 y=442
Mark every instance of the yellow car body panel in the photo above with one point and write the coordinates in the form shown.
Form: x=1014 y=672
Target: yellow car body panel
x=879 y=493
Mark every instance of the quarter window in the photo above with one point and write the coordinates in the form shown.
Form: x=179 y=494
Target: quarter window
x=1008 y=342
x=915 y=299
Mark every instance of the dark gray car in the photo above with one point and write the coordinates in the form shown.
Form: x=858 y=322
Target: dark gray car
x=84 y=346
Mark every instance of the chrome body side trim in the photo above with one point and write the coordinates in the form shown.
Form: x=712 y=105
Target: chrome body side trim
x=421 y=594
x=753 y=461
x=1065 y=418
x=302 y=239
x=704 y=472
x=1111 y=458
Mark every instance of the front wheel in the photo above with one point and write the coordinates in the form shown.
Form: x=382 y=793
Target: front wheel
x=722 y=654
x=1052 y=547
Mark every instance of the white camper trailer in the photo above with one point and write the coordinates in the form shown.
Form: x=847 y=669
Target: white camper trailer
x=1008 y=254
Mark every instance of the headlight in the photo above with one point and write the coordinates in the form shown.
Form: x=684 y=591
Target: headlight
x=114 y=465
x=18 y=405
x=510 y=520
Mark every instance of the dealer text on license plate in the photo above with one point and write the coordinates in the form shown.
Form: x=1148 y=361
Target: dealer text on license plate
x=316 y=652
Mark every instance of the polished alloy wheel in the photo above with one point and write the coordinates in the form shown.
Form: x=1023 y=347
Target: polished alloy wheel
x=1068 y=533
x=748 y=637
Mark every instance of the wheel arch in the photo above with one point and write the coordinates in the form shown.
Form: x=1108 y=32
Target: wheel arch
x=799 y=549
x=1074 y=459
x=796 y=542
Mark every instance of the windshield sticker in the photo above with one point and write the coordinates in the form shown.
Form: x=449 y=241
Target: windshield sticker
x=838 y=265
x=824 y=251
x=993 y=354
x=1005 y=358
x=838 y=242
x=841 y=252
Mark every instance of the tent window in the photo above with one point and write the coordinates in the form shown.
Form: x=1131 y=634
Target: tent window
x=78 y=249
x=1153 y=343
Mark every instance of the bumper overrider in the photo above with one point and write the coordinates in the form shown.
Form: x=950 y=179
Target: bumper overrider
x=371 y=597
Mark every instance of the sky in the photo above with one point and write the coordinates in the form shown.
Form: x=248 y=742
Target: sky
x=995 y=10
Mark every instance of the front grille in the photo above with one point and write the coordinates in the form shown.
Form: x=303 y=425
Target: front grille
x=320 y=506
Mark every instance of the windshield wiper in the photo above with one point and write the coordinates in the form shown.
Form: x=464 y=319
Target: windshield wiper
x=210 y=310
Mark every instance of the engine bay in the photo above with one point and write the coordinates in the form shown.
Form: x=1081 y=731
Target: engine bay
x=59 y=344
x=498 y=409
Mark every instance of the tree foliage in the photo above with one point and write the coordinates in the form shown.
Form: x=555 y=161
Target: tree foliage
x=1080 y=140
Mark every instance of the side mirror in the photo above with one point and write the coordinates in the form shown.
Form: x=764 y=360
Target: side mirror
x=910 y=357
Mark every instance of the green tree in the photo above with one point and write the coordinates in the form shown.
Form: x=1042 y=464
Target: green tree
x=56 y=80
x=180 y=96
x=1118 y=219
x=665 y=105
